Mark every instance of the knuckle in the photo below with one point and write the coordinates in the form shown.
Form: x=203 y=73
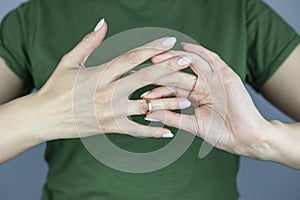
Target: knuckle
x=66 y=58
x=171 y=64
x=132 y=57
x=102 y=99
x=142 y=107
x=214 y=57
x=145 y=76
x=173 y=91
x=87 y=38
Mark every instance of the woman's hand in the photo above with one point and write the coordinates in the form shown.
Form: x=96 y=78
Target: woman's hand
x=224 y=114
x=77 y=101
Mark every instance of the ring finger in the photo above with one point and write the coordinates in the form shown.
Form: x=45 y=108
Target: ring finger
x=138 y=107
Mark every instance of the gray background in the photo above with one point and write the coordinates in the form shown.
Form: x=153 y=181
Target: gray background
x=23 y=177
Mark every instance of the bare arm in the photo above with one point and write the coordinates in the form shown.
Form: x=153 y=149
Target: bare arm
x=15 y=131
x=284 y=92
x=11 y=86
x=225 y=104
x=11 y=133
x=61 y=108
x=283 y=87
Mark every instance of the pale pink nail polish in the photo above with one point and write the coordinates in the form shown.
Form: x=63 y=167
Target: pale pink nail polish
x=169 y=42
x=151 y=120
x=167 y=135
x=184 y=61
x=184 y=104
x=144 y=94
x=99 y=25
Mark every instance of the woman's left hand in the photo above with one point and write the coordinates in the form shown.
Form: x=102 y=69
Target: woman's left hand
x=224 y=114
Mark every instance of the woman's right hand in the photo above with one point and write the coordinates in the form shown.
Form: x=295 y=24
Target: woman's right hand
x=78 y=102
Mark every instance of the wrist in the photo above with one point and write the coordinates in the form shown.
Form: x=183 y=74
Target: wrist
x=17 y=130
x=41 y=122
x=25 y=119
x=269 y=140
x=261 y=147
x=283 y=140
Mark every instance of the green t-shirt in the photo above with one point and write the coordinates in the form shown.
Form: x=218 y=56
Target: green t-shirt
x=247 y=34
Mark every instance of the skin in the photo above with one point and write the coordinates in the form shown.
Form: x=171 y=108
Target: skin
x=245 y=132
x=57 y=112
x=217 y=92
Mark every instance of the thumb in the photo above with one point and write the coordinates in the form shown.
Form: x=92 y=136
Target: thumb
x=79 y=54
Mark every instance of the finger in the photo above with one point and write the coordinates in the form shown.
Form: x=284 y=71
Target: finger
x=215 y=89
x=198 y=87
x=198 y=64
x=210 y=57
x=149 y=75
x=77 y=56
x=138 y=107
x=164 y=91
x=202 y=69
x=164 y=56
x=172 y=119
x=181 y=80
x=126 y=62
x=138 y=130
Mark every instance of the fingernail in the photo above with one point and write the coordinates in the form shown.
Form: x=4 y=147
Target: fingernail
x=151 y=120
x=99 y=25
x=144 y=94
x=167 y=135
x=184 y=61
x=169 y=42
x=184 y=104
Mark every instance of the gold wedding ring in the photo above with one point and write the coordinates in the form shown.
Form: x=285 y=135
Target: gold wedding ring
x=149 y=105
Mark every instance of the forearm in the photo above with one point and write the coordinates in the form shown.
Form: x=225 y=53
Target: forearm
x=17 y=132
x=283 y=142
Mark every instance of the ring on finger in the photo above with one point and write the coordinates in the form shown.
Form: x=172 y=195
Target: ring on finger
x=149 y=105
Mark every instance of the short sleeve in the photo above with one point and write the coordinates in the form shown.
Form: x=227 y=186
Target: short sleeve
x=270 y=41
x=13 y=48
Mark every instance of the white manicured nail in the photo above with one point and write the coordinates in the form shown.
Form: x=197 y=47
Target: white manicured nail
x=169 y=42
x=184 y=61
x=151 y=120
x=167 y=135
x=99 y=25
x=144 y=94
x=184 y=104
